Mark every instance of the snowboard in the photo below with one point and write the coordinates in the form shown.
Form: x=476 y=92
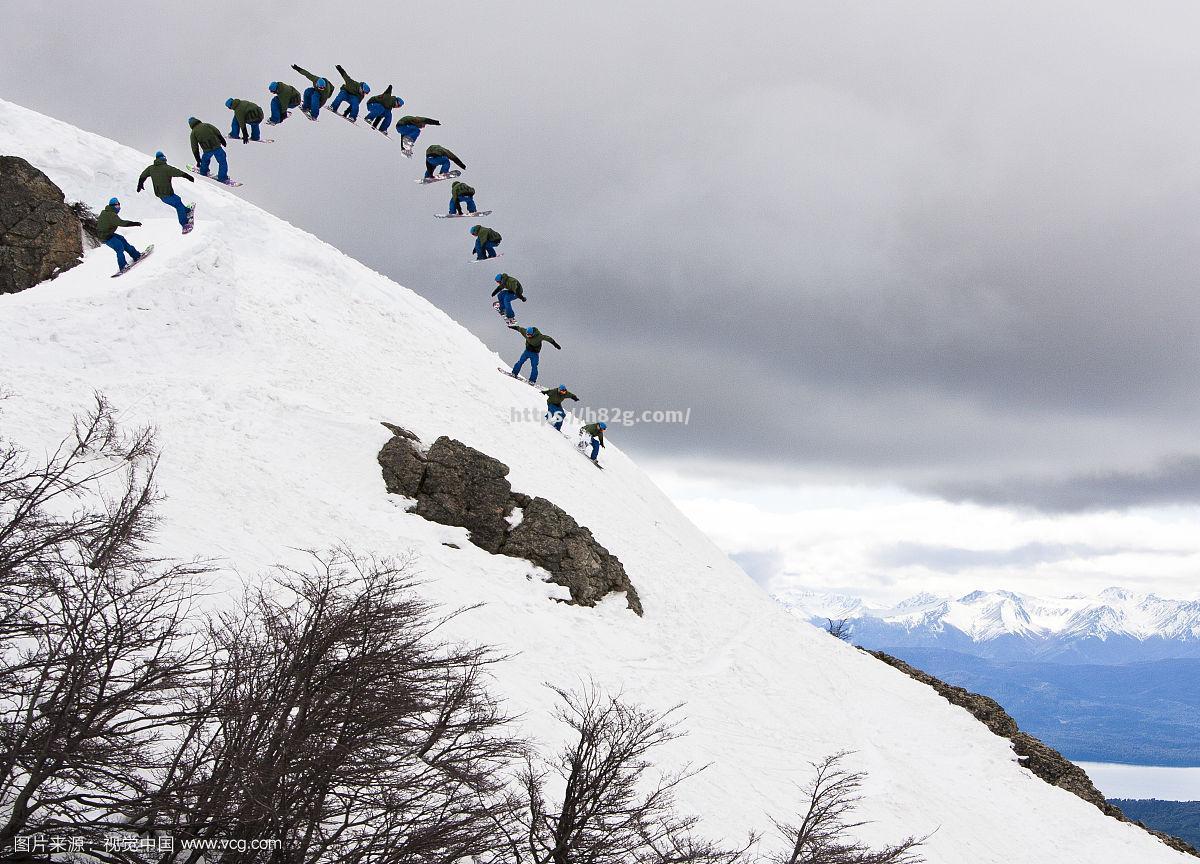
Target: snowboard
x=493 y=258
x=461 y=215
x=581 y=447
x=508 y=373
x=130 y=266
x=309 y=116
x=191 y=223
x=407 y=151
x=259 y=141
x=437 y=178
x=195 y=169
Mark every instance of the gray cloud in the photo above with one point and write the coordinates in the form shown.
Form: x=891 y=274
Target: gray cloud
x=940 y=246
x=952 y=559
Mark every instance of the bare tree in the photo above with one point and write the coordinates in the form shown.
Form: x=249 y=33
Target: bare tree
x=95 y=648
x=822 y=834
x=840 y=629
x=337 y=723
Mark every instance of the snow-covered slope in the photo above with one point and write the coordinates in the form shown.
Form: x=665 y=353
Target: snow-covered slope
x=1135 y=625
x=266 y=359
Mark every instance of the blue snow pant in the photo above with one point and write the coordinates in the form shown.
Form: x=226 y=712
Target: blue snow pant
x=177 y=202
x=559 y=415
x=235 y=131
x=120 y=245
x=484 y=250
x=311 y=102
x=278 y=112
x=505 y=298
x=442 y=162
x=595 y=448
x=376 y=113
x=412 y=133
x=350 y=100
x=222 y=163
x=532 y=357
x=457 y=202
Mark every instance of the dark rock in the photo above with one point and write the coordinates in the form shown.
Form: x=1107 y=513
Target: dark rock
x=1041 y=759
x=401 y=431
x=40 y=234
x=467 y=488
x=452 y=545
x=402 y=463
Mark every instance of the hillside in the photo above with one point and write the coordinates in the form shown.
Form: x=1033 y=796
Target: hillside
x=267 y=359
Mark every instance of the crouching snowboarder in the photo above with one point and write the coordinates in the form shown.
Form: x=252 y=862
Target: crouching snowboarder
x=106 y=231
x=380 y=108
x=437 y=156
x=507 y=290
x=533 y=348
x=162 y=176
x=594 y=431
x=555 y=412
x=410 y=127
x=246 y=119
x=352 y=94
x=460 y=194
x=486 y=241
x=207 y=144
x=316 y=96
x=285 y=98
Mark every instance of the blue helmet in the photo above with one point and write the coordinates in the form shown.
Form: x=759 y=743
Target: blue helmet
x=475 y=229
x=113 y=202
x=192 y=121
x=273 y=86
x=399 y=101
x=160 y=156
x=529 y=331
x=562 y=386
x=603 y=426
x=499 y=277
x=322 y=83
x=366 y=87
x=229 y=102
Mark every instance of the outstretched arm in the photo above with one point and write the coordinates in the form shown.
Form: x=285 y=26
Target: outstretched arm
x=550 y=339
x=142 y=179
x=311 y=77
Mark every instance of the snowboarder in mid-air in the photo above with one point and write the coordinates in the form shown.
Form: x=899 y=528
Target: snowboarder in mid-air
x=106 y=231
x=533 y=348
x=409 y=127
x=507 y=290
x=437 y=156
x=379 y=110
x=207 y=144
x=316 y=96
x=555 y=413
x=285 y=98
x=161 y=175
x=595 y=431
x=460 y=194
x=246 y=119
x=486 y=241
x=352 y=94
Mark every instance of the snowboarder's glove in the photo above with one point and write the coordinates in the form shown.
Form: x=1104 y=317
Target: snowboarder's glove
x=140 y=187
x=522 y=299
x=189 y=178
x=135 y=224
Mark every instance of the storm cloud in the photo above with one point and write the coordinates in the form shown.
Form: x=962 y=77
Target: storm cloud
x=933 y=244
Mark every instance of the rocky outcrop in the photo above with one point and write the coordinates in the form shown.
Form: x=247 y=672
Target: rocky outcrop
x=453 y=484
x=40 y=234
x=1042 y=760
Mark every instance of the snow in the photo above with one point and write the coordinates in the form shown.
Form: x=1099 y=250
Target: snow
x=266 y=359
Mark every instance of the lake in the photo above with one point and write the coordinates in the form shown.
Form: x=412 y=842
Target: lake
x=1144 y=781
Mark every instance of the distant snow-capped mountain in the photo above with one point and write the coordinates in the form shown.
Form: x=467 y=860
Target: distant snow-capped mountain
x=1114 y=626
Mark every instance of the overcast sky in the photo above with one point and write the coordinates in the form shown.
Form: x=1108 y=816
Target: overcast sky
x=931 y=252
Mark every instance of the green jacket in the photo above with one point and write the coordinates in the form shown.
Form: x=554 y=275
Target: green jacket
x=354 y=88
x=288 y=96
x=459 y=189
x=324 y=92
x=161 y=174
x=419 y=122
x=205 y=136
x=439 y=150
x=534 y=343
x=487 y=235
x=108 y=223
x=556 y=396
x=511 y=285
x=386 y=99
x=246 y=112
x=595 y=431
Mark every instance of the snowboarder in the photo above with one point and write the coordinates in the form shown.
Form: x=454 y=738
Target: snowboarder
x=162 y=175
x=351 y=93
x=208 y=143
x=106 y=230
x=316 y=96
x=437 y=156
x=596 y=432
x=286 y=97
x=410 y=128
x=555 y=413
x=379 y=110
x=486 y=241
x=507 y=290
x=246 y=119
x=460 y=194
x=533 y=347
